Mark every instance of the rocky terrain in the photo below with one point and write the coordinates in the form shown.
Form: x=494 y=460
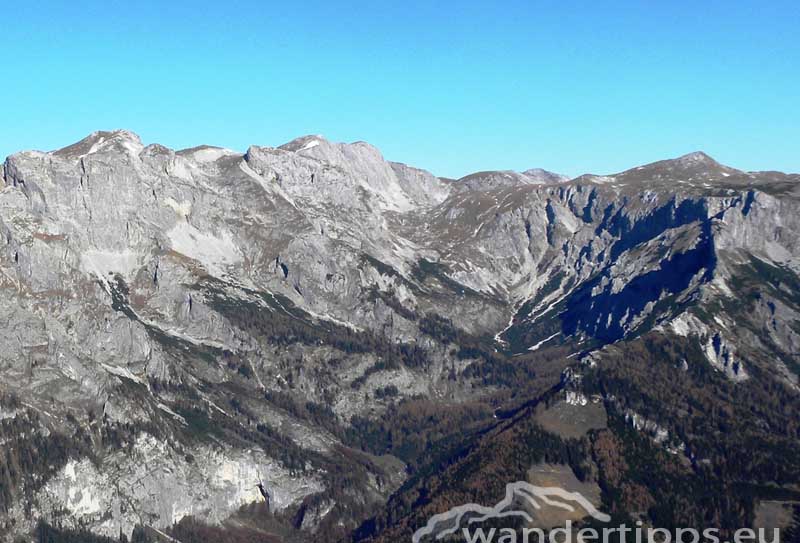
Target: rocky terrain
x=369 y=341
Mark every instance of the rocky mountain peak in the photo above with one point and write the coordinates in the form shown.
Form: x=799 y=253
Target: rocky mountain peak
x=304 y=143
x=696 y=158
x=693 y=168
x=546 y=175
x=352 y=175
x=103 y=142
x=697 y=162
x=203 y=152
x=493 y=179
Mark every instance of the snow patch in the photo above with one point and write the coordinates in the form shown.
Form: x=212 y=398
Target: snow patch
x=310 y=145
x=95 y=147
x=535 y=347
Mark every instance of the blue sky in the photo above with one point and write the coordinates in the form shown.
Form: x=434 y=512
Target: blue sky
x=452 y=87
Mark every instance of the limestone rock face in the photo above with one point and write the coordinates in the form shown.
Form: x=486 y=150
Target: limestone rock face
x=170 y=317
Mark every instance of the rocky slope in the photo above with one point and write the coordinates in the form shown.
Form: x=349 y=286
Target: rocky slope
x=179 y=326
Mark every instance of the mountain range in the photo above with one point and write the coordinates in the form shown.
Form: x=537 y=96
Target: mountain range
x=373 y=344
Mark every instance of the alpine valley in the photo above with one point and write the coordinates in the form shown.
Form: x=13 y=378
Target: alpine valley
x=369 y=344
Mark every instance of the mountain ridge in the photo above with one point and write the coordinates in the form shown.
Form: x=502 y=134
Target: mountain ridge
x=688 y=159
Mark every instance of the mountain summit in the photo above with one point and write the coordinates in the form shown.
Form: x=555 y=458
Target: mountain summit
x=692 y=168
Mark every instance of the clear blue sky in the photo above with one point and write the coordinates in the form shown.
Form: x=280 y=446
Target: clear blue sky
x=451 y=87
